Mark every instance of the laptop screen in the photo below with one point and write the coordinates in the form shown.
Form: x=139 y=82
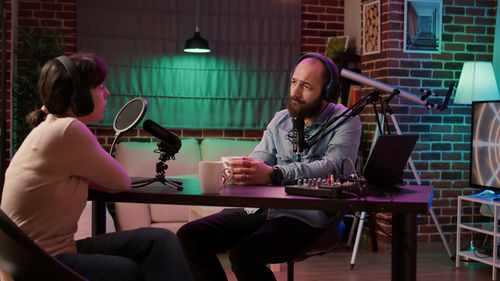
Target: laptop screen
x=387 y=159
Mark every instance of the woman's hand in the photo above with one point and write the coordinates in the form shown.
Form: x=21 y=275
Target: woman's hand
x=249 y=171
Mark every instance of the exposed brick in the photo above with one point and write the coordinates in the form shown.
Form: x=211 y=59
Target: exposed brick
x=431 y=64
x=485 y=21
x=464 y=57
x=441 y=128
x=452 y=156
x=430 y=156
x=420 y=73
x=464 y=38
x=442 y=74
x=453 y=119
x=212 y=133
x=454 y=47
x=475 y=29
x=307 y=17
x=431 y=83
x=476 y=48
x=419 y=128
x=485 y=39
x=475 y=12
x=464 y=2
x=453 y=65
x=315 y=25
x=461 y=128
x=453 y=28
x=432 y=119
x=454 y=11
x=430 y=137
x=463 y=20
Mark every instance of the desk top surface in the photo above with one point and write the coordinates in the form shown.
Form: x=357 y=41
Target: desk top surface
x=410 y=199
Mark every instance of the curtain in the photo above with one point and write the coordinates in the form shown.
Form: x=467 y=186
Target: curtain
x=240 y=84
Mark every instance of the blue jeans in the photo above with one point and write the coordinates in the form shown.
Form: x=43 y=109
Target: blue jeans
x=140 y=254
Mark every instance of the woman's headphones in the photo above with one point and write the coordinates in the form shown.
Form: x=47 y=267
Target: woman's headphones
x=81 y=100
x=330 y=91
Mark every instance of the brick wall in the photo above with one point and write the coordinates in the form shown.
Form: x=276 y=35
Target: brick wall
x=59 y=15
x=442 y=154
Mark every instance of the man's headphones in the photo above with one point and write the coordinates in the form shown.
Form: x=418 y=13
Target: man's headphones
x=81 y=100
x=330 y=91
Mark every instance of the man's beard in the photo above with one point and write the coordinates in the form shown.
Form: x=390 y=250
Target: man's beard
x=301 y=109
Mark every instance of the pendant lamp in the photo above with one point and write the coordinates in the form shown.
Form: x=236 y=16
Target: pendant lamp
x=197 y=44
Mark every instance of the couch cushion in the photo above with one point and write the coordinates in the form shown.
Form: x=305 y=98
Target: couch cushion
x=169 y=213
x=139 y=158
x=213 y=149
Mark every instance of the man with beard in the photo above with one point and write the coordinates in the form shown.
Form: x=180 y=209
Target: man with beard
x=256 y=237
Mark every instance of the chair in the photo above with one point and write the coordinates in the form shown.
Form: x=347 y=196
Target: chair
x=328 y=240
x=24 y=260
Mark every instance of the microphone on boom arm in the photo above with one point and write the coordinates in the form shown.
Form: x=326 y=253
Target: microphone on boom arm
x=297 y=137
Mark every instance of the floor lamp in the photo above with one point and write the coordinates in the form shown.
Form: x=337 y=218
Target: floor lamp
x=477 y=83
x=408 y=96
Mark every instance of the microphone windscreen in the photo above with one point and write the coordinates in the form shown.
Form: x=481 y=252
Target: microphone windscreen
x=162 y=134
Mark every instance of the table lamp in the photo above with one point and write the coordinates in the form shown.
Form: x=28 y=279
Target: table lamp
x=477 y=83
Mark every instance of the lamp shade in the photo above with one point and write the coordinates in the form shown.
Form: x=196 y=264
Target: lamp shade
x=477 y=83
x=197 y=44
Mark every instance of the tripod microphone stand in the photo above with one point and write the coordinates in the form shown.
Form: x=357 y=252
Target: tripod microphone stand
x=382 y=119
x=161 y=167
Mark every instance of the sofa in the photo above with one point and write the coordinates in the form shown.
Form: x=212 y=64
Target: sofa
x=139 y=160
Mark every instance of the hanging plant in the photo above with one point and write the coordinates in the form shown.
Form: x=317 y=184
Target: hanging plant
x=34 y=48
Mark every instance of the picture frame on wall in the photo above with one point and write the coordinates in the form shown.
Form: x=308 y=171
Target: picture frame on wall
x=371 y=27
x=422 y=26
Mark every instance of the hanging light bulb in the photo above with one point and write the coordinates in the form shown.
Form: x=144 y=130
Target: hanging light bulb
x=197 y=44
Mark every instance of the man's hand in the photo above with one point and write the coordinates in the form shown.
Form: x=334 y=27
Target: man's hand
x=249 y=171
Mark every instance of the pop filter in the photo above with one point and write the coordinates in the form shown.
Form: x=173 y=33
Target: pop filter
x=128 y=117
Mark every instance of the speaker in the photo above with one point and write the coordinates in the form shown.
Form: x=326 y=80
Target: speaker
x=330 y=88
x=81 y=99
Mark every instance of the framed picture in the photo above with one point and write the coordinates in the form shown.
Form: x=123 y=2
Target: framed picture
x=336 y=44
x=422 y=30
x=371 y=27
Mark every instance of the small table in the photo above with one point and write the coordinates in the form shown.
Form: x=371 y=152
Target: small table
x=404 y=206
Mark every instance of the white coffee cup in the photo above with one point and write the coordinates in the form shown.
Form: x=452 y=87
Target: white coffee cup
x=210 y=174
x=228 y=172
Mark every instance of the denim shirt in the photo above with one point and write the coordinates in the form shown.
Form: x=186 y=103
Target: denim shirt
x=323 y=158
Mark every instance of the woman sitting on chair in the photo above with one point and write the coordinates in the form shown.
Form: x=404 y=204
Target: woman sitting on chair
x=47 y=181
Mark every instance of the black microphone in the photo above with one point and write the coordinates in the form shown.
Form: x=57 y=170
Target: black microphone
x=168 y=141
x=299 y=141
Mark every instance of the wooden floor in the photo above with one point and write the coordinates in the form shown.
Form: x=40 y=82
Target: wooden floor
x=433 y=264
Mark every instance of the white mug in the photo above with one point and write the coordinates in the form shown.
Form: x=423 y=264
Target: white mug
x=210 y=175
x=228 y=172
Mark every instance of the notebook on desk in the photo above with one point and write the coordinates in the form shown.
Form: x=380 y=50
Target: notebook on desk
x=386 y=162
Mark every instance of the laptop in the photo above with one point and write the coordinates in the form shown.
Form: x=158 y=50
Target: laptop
x=386 y=162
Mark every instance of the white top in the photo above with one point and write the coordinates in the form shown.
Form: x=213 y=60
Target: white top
x=46 y=183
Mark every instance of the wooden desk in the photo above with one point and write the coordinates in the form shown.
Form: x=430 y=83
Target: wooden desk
x=404 y=206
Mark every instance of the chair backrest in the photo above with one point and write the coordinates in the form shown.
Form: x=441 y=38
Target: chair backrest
x=328 y=240
x=24 y=260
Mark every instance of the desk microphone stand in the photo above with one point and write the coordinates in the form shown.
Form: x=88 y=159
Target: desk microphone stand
x=161 y=167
